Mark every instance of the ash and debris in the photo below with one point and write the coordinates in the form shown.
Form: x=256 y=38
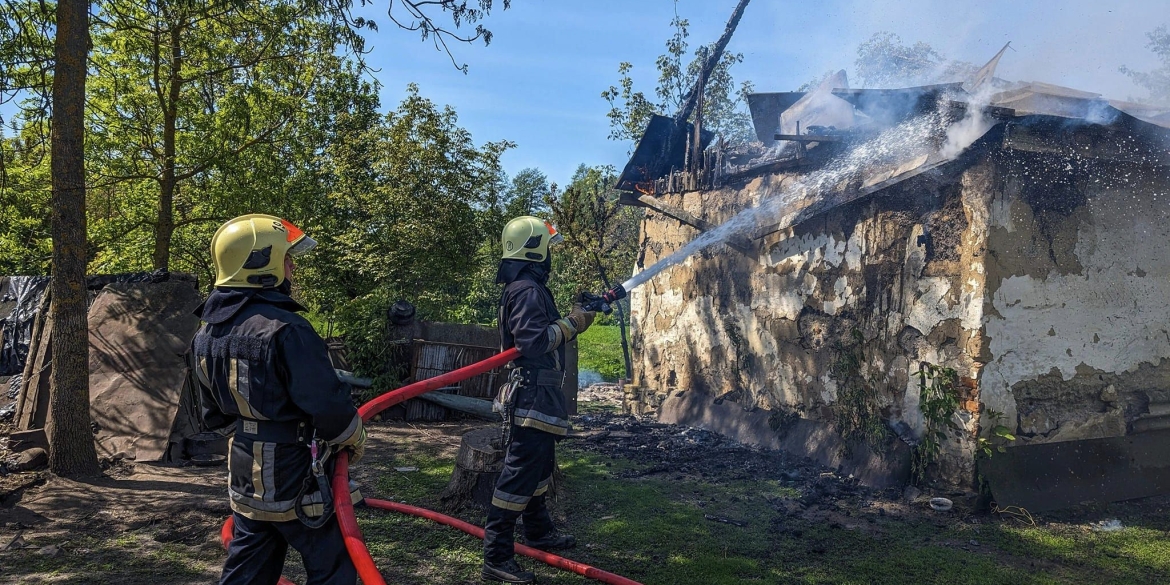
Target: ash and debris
x=677 y=452
x=821 y=496
x=600 y=395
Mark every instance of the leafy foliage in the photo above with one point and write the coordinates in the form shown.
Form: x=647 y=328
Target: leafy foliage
x=26 y=58
x=856 y=411
x=601 y=242
x=200 y=112
x=601 y=236
x=526 y=195
x=997 y=436
x=938 y=399
x=25 y=243
x=26 y=53
x=723 y=100
x=405 y=216
x=1156 y=82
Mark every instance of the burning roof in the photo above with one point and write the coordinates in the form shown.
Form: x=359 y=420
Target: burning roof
x=850 y=143
x=789 y=125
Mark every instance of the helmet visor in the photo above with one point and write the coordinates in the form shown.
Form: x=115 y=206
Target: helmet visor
x=302 y=246
x=554 y=236
x=299 y=243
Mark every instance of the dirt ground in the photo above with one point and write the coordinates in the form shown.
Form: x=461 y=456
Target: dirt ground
x=140 y=521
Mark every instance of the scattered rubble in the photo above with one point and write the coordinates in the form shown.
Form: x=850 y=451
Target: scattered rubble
x=600 y=394
x=679 y=452
x=49 y=551
x=30 y=460
x=941 y=504
x=17 y=542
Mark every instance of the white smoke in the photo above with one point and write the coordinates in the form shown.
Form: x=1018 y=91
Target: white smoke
x=973 y=125
x=913 y=137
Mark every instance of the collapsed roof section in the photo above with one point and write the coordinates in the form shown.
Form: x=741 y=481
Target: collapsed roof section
x=889 y=106
x=817 y=130
x=662 y=148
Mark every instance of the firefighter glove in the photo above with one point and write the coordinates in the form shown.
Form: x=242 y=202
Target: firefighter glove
x=580 y=318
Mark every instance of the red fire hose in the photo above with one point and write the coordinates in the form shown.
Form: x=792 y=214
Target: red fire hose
x=544 y=557
x=344 y=508
x=369 y=409
x=348 y=523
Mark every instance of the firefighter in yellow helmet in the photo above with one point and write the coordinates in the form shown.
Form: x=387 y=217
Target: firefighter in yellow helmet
x=532 y=401
x=264 y=371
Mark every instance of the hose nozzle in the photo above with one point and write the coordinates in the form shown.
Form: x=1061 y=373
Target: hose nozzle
x=601 y=303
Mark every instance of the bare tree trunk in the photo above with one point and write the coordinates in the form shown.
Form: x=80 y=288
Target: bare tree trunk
x=71 y=448
x=621 y=319
x=165 y=228
x=625 y=344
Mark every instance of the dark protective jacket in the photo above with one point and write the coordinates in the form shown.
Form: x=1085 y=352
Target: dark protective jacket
x=527 y=319
x=264 y=369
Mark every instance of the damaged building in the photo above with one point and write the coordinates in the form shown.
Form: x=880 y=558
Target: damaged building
x=999 y=249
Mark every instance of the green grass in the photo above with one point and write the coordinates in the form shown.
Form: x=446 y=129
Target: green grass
x=600 y=350
x=654 y=529
x=595 y=407
x=127 y=558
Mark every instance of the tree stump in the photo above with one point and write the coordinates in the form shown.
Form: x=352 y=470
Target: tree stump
x=477 y=467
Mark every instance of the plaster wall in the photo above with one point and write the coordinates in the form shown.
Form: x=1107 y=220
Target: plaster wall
x=895 y=281
x=1078 y=323
x=1041 y=280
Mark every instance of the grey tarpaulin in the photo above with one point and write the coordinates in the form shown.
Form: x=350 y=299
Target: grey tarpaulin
x=138 y=337
x=23 y=293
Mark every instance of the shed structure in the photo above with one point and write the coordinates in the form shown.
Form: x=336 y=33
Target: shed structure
x=1019 y=238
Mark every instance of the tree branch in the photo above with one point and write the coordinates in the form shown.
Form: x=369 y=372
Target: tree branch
x=460 y=13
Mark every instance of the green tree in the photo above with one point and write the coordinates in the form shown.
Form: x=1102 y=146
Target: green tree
x=723 y=101
x=26 y=54
x=26 y=63
x=71 y=449
x=1156 y=82
x=884 y=61
x=406 y=199
x=601 y=239
x=527 y=193
x=25 y=242
x=178 y=115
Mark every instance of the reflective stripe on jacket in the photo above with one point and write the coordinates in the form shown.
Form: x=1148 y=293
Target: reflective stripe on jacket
x=257 y=360
x=527 y=321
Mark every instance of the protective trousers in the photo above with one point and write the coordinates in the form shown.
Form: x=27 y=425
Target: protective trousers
x=256 y=553
x=520 y=491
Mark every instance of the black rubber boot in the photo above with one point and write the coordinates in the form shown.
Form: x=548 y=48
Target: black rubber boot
x=508 y=571
x=553 y=541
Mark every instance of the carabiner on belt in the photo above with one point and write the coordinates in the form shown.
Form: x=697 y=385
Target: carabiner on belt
x=320 y=452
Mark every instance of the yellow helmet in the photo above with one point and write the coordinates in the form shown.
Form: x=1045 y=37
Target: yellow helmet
x=249 y=250
x=527 y=238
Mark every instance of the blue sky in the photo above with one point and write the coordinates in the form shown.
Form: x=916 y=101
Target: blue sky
x=539 y=82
